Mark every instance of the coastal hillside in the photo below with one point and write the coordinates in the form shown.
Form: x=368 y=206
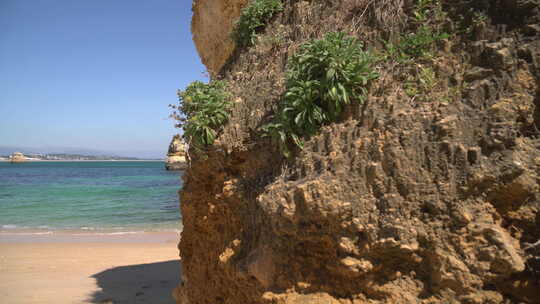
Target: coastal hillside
x=359 y=151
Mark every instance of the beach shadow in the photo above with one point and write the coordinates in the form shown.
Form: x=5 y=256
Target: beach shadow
x=143 y=283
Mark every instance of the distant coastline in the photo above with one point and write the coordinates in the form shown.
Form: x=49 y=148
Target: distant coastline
x=89 y=160
x=67 y=157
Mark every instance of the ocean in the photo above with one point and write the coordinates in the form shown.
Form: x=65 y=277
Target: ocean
x=108 y=196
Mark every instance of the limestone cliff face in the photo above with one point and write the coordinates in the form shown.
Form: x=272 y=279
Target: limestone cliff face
x=431 y=197
x=176 y=155
x=211 y=25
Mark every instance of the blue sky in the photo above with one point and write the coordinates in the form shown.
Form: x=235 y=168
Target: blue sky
x=94 y=74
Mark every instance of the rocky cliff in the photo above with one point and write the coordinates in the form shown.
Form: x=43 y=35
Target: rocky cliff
x=176 y=155
x=428 y=193
x=211 y=25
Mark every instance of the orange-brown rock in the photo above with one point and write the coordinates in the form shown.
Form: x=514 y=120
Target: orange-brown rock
x=212 y=24
x=424 y=197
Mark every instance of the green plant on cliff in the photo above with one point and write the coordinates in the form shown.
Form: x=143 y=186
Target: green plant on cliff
x=323 y=77
x=426 y=11
x=253 y=18
x=202 y=112
x=423 y=84
x=420 y=41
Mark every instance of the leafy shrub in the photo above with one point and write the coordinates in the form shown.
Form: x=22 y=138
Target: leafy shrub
x=420 y=43
x=323 y=77
x=203 y=110
x=426 y=10
x=253 y=18
x=423 y=85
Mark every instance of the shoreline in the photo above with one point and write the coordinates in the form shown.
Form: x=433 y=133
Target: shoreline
x=67 y=267
x=90 y=236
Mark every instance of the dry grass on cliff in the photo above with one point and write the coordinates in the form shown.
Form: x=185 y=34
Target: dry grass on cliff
x=385 y=15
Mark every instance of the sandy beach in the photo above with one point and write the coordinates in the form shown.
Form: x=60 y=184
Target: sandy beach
x=78 y=267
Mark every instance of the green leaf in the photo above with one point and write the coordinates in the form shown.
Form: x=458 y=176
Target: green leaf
x=298 y=119
x=330 y=73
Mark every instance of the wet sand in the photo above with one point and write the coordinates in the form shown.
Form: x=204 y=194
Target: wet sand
x=88 y=267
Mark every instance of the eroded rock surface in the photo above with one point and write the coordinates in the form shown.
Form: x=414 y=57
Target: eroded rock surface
x=212 y=23
x=176 y=155
x=432 y=198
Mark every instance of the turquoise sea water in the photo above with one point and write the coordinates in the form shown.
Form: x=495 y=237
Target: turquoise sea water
x=93 y=196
